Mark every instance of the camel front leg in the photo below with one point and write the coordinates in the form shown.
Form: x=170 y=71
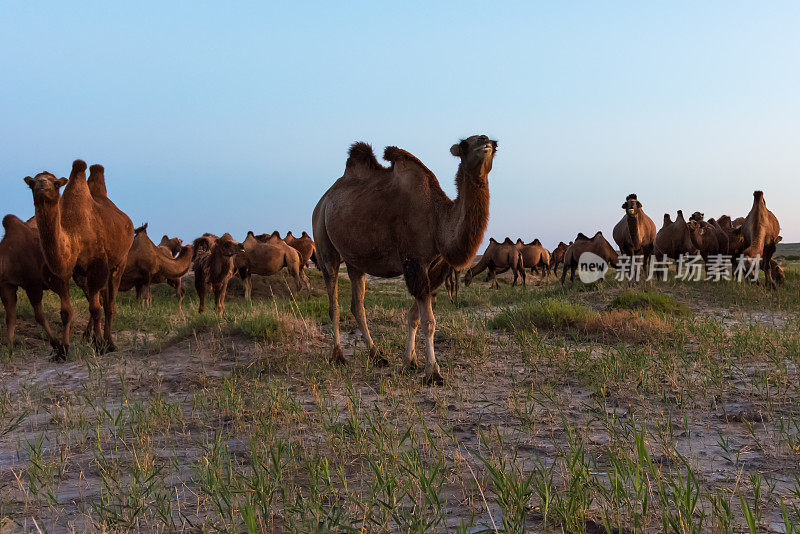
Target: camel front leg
x=110 y=305
x=410 y=356
x=200 y=287
x=247 y=281
x=330 y=272
x=61 y=288
x=433 y=375
x=8 y=294
x=358 y=285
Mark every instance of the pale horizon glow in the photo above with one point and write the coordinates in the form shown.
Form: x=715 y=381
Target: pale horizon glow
x=225 y=118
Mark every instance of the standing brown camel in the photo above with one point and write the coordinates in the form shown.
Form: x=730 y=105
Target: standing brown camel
x=172 y=246
x=635 y=232
x=704 y=238
x=761 y=230
x=148 y=264
x=84 y=234
x=557 y=256
x=597 y=245
x=535 y=255
x=735 y=238
x=266 y=259
x=304 y=245
x=397 y=220
x=21 y=263
x=497 y=259
x=673 y=239
x=213 y=266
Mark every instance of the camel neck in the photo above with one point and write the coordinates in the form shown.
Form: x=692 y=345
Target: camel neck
x=461 y=231
x=54 y=246
x=633 y=228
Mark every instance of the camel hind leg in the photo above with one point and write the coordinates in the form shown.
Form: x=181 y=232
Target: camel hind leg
x=330 y=273
x=35 y=296
x=8 y=294
x=358 y=286
x=110 y=305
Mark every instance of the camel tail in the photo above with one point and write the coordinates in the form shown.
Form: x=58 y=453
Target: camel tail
x=361 y=153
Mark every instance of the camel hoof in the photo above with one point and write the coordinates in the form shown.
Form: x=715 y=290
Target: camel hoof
x=61 y=353
x=377 y=357
x=337 y=356
x=412 y=366
x=434 y=379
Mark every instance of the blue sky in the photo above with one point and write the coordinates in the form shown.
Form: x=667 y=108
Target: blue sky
x=226 y=117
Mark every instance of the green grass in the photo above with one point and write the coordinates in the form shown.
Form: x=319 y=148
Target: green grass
x=547 y=313
x=650 y=301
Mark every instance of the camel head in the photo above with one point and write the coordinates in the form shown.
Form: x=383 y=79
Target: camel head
x=777 y=272
x=468 y=277
x=227 y=246
x=697 y=216
x=632 y=206
x=173 y=244
x=46 y=187
x=476 y=153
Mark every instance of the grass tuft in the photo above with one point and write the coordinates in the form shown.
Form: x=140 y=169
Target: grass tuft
x=650 y=301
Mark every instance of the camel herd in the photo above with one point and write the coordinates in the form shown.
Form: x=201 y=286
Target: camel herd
x=415 y=231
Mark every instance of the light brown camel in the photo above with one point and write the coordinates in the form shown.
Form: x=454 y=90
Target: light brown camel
x=597 y=245
x=497 y=259
x=557 y=256
x=148 y=264
x=266 y=259
x=761 y=230
x=304 y=245
x=535 y=255
x=397 y=220
x=673 y=239
x=635 y=233
x=21 y=263
x=85 y=235
x=213 y=267
x=172 y=246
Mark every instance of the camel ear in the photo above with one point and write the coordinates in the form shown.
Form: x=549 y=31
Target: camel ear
x=29 y=181
x=778 y=239
x=456 y=150
x=638 y=204
x=61 y=182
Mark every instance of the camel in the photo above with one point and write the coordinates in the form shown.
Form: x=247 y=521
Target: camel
x=82 y=232
x=497 y=259
x=722 y=236
x=21 y=263
x=535 y=255
x=172 y=246
x=266 y=259
x=704 y=238
x=397 y=220
x=304 y=245
x=760 y=231
x=635 y=233
x=597 y=245
x=557 y=256
x=735 y=239
x=274 y=237
x=213 y=266
x=674 y=239
x=148 y=264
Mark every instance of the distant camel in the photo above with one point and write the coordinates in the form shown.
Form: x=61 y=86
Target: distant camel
x=635 y=232
x=266 y=259
x=557 y=256
x=596 y=245
x=213 y=266
x=304 y=245
x=21 y=263
x=761 y=230
x=535 y=255
x=397 y=220
x=673 y=239
x=497 y=259
x=84 y=234
x=148 y=264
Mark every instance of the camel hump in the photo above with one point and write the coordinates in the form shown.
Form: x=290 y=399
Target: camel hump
x=361 y=153
x=492 y=240
x=97 y=169
x=758 y=195
x=599 y=233
x=10 y=221
x=536 y=242
x=305 y=234
x=78 y=166
x=507 y=241
x=581 y=237
x=394 y=154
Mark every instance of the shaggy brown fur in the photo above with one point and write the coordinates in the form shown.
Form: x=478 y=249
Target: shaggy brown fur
x=557 y=256
x=304 y=245
x=673 y=239
x=497 y=259
x=21 y=263
x=761 y=230
x=597 y=244
x=535 y=255
x=736 y=244
x=83 y=234
x=266 y=259
x=397 y=220
x=148 y=264
x=635 y=233
x=213 y=266
x=704 y=238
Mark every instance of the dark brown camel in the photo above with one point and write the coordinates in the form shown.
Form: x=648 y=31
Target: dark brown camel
x=497 y=259
x=213 y=267
x=397 y=220
x=597 y=245
x=557 y=256
x=82 y=233
x=673 y=239
x=635 y=233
